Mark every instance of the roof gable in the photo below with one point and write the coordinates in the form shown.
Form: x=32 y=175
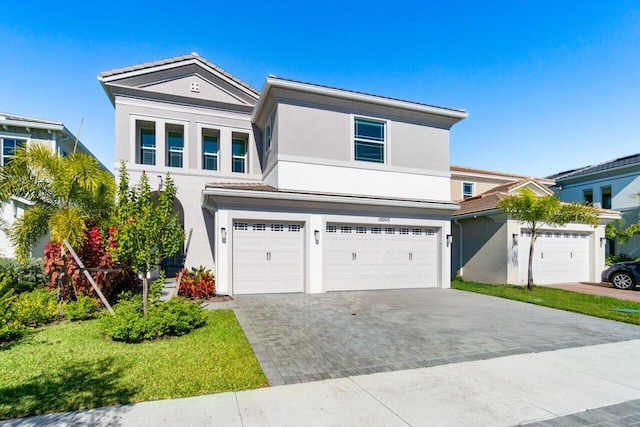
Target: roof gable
x=174 y=78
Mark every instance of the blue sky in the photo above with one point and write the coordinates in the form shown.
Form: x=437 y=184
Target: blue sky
x=549 y=85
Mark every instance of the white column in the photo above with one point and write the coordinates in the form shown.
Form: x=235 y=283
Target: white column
x=224 y=156
x=161 y=144
x=445 y=251
x=315 y=275
x=223 y=252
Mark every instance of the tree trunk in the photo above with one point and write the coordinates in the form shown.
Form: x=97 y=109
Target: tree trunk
x=530 y=270
x=145 y=293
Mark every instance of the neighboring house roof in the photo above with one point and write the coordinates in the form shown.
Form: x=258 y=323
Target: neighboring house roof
x=474 y=173
x=176 y=59
x=626 y=161
x=237 y=188
x=488 y=201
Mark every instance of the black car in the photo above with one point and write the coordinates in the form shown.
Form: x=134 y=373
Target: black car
x=623 y=275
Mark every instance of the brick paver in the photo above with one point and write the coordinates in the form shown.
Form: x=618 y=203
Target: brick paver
x=301 y=337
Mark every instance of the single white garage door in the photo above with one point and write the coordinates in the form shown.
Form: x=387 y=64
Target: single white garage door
x=268 y=257
x=360 y=257
x=559 y=257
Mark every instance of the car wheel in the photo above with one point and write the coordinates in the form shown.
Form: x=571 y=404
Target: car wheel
x=622 y=280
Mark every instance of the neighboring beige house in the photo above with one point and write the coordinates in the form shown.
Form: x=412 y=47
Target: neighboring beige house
x=469 y=182
x=16 y=131
x=490 y=247
x=295 y=188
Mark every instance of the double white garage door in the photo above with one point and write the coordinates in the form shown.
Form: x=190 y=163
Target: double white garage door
x=269 y=257
x=559 y=257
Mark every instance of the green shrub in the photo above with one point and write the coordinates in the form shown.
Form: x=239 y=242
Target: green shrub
x=37 y=308
x=83 y=308
x=612 y=259
x=174 y=317
x=10 y=327
x=25 y=277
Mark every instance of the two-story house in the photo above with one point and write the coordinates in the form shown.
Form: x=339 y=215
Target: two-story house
x=16 y=131
x=614 y=184
x=297 y=188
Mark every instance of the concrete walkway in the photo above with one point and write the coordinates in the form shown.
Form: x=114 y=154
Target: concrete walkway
x=504 y=391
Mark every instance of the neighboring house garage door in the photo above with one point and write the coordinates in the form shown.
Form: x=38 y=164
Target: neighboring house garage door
x=559 y=257
x=268 y=257
x=359 y=257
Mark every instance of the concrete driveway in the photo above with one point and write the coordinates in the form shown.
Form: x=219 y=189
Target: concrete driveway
x=300 y=338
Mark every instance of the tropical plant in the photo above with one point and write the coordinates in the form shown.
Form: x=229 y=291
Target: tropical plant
x=65 y=192
x=198 y=283
x=538 y=211
x=146 y=230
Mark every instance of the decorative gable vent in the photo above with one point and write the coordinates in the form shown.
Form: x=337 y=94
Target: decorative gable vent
x=195 y=87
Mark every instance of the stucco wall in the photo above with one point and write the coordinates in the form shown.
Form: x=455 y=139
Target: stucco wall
x=485 y=250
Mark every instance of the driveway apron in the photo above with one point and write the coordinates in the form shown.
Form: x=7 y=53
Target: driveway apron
x=301 y=337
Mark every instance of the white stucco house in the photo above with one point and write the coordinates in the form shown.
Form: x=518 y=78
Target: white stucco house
x=295 y=188
x=15 y=131
x=614 y=184
x=491 y=247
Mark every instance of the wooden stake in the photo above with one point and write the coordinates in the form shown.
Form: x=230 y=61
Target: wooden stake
x=88 y=276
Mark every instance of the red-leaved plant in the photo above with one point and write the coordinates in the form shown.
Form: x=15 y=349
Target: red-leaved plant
x=198 y=283
x=93 y=254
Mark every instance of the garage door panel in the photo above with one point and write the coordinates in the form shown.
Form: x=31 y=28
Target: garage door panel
x=558 y=257
x=360 y=257
x=268 y=257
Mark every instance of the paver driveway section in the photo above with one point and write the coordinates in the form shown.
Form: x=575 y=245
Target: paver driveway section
x=302 y=337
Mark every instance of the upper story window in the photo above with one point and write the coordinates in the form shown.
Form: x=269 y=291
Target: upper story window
x=147 y=146
x=9 y=146
x=175 y=147
x=267 y=138
x=588 y=196
x=467 y=190
x=238 y=155
x=369 y=140
x=210 y=150
x=606 y=197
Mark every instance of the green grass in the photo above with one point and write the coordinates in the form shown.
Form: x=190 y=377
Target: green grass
x=72 y=366
x=592 y=305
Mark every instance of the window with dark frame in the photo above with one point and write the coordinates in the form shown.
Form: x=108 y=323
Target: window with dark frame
x=210 y=149
x=467 y=190
x=147 y=155
x=369 y=140
x=606 y=197
x=238 y=155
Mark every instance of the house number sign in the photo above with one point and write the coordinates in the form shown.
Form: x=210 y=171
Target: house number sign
x=384 y=219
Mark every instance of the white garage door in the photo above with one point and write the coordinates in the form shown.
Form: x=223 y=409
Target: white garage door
x=268 y=257
x=559 y=257
x=359 y=257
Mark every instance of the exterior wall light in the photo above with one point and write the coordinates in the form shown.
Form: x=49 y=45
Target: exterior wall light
x=515 y=237
x=603 y=241
x=316 y=235
x=449 y=239
x=223 y=234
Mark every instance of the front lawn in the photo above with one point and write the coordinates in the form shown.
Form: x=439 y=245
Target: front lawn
x=72 y=366
x=593 y=305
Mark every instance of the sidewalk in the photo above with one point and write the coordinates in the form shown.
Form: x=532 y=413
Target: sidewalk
x=504 y=391
x=601 y=289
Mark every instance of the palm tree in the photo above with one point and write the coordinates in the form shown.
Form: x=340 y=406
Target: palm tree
x=66 y=192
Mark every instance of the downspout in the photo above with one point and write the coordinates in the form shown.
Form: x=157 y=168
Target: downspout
x=460 y=254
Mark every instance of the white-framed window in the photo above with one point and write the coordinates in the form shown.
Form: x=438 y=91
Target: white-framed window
x=389 y=230
x=361 y=230
x=370 y=137
x=9 y=146
x=259 y=227
x=175 y=148
x=241 y=226
x=210 y=151
x=345 y=229
x=295 y=228
x=277 y=227
x=238 y=155
x=147 y=145
x=376 y=230
x=331 y=228
x=467 y=190
x=417 y=231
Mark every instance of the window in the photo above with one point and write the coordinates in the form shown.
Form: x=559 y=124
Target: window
x=331 y=228
x=210 y=149
x=238 y=155
x=267 y=138
x=361 y=230
x=389 y=230
x=417 y=231
x=345 y=229
x=404 y=231
x=296 y=228
x=369 y=141
x=588 y=196
x=240 y=226
x=606 y=197
x=147 y=155
x=259 y=227
x=277 y=227
x=9 y=146
x=467 y=190
x=175 y=147
x=376 y=230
